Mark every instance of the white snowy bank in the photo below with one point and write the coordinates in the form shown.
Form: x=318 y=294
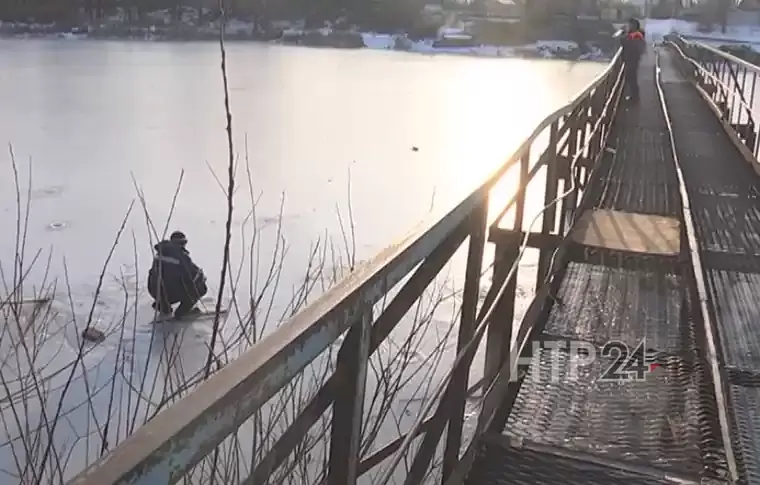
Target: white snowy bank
x=546 y=49
x=743 y=34
x=242 y=30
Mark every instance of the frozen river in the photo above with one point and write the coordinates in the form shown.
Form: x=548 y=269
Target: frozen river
x=411 y=133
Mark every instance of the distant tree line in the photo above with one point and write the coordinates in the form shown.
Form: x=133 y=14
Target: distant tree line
x=398 y=13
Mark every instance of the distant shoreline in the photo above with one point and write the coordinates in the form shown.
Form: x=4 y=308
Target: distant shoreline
x=557 y=49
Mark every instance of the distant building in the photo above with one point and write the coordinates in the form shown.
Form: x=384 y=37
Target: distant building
x=621 y=10
x=433 y=12
x=506 y=9
x=582 y=9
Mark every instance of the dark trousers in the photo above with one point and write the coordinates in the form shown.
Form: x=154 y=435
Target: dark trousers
x=631 y=74
x=186 y=299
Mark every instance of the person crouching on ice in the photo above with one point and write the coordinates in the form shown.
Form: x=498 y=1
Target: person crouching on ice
x=174 y=278
x=633 y=45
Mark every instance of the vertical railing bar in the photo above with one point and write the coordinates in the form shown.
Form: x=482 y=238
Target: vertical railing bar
x=721 y=84
x=735 y=78
x=568 y=203
x=501 y=326
x=520 y=204
x=599 y=145
x=719 y=73
x=500 y=332
x=348 y=408
x=460 y=375
x=724 y=74
x=752 y=93
x=594 y=138
x=567 y=172
x=754 y=124
x=594 y=134
x=583 y=133
x=744 y=99
x=550 y=214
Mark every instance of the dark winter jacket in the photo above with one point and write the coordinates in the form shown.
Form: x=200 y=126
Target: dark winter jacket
x=178 y=272
x=634 y=44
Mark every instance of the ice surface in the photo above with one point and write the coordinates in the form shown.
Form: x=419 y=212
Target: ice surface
x=91 y=115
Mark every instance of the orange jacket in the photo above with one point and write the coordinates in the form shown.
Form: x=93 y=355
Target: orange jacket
x=633 y=47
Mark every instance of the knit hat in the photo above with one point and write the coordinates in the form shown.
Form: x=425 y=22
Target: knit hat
x=178 y=237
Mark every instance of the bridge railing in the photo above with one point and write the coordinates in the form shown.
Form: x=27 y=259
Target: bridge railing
x=729 y=82
x=183 y=437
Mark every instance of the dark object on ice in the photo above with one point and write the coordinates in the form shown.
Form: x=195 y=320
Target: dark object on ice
x=174 y=278
x=26 y=301
x=92 y=334
x=415 y=149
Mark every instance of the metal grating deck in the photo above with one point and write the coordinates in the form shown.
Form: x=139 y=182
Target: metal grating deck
x=724 y=191
x=667 y=422
x=514 y=466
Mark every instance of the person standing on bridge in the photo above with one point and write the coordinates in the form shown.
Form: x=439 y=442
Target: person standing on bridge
x=633 y=45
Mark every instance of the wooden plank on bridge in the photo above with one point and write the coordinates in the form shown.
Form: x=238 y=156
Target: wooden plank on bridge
x=628 y=231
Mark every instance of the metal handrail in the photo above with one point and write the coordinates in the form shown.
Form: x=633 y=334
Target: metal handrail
x=222 y=403
x=523 y=330
x=728 y=56
x=716 y=369
x=487 y=310
x=712 y=76
x=729 y=98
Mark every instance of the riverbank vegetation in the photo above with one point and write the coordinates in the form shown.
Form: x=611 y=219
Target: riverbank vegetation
x=337 y=23
x=372 y=14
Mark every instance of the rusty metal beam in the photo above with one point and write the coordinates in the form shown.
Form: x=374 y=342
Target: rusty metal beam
x=549 y=219
x=506 y=238
x=567 y=212
x=348 y=407
x=467 y=324
x=499 y=330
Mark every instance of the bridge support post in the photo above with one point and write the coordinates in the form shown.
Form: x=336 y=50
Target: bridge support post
x=499 y=337
x=549 y=219
x=459 y=378
x=348 y=409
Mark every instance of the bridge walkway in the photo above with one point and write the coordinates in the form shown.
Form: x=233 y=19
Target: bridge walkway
x=571 y=423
